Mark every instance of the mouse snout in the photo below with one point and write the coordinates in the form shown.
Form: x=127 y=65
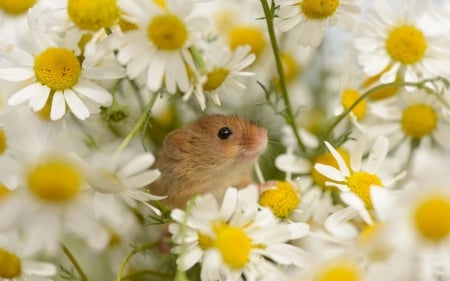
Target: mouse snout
x=260 y=139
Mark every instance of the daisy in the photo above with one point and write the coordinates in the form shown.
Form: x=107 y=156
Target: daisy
x=116 y=175
x=53 y=191
x=311 y=17
x=53 y=74
x=401 y=46
x=236 y=240
x=221 y=73
x=158 y=48
x=355 y=180
x=18 y=265
x=415 y=117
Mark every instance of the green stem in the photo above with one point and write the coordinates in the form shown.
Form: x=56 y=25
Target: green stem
x=138 y=124
x=146 y=272
x=129 y=256
x=289 y=117
x=198 y=59
x=75 y=263
x=420 y=84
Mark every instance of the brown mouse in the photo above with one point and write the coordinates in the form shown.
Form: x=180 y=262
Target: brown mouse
x=209 y=155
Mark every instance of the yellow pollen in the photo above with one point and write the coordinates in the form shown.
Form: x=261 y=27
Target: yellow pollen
x=3 y=143
x=55 y=180
x=167 y=32
x=215 y=78
x=327 y=159
x=93 y=15
x=318 y=9
x=204 y=241
x=57 y=68
x=15 y=7
x=360 y=183
x=419 y=120
x=406 y=44
x=126 y=26
x=233 y=244
x=432 y=217
x=340 y=271
x=349 y=96
x=247 y=35
x=282 y=200
x=11 y=266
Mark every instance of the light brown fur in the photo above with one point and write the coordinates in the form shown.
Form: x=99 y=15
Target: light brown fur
x=195 y=160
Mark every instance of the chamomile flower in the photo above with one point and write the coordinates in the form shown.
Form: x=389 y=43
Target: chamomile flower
x=416 y=117
x=234 y=241
x=53 y=74
x=311 y=17
x=110 y=175
x=18 y=265
x=401 y=46
x=355 y=180
x=222 y=71
x=158 y=48
x=53 y=191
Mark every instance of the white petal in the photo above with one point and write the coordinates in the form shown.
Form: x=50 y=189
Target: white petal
x=286 y=254
x=15 y=54
x=42 y=269
x=142 y=179
x=25 y=94
x=58 y=106
x=93 y=92
x=228 y=203
x=16 y=74
x=189 y=259
x=329 y=172
x=76 y=105
x=341 y=163
x=40 y=96
x=137 y=164
x=377 y=154
x=339 y=223
x=291 y=164
x=357 y=153
x=155 y=73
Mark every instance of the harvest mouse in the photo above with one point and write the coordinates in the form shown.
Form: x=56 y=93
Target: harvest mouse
x=209 y=155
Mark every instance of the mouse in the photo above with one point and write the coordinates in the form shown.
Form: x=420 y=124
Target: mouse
x=208 y=156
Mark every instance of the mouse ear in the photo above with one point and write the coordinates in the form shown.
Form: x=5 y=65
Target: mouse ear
x=176 y=143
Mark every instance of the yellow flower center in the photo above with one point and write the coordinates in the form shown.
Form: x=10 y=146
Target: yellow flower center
x=327 y=159
x=161 y=3
x=57 y=68
x=340 y=271
x=215 y=78
x=349 y=96
x=318 y=9
x=290 y=66
x=406 y=44
x=204 y=241
x=126 y=26
x=282 y=200
x=55 y=180
x=247 y=35
x=3 y=143
x=4 y=191
x=419 y=120
x=432 y=217
x=233 y=244
x=15 y=7
x=360 y=183
x=167 y=32
x=10 y=265
x=93 y=15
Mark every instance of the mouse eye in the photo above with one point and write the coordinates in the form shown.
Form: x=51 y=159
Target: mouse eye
x=224 y=133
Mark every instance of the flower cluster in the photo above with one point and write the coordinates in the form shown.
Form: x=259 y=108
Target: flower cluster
x=354 y=182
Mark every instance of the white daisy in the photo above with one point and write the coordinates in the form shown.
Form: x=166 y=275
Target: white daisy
x=53 y=74
x=18 y=265
x=52 y=189
x=355 y=180
x=311 y=17
x=234 y=241
x=158 y=48
x=115 y=174
x=415 y=117
x=401 y=45
x=222 y=70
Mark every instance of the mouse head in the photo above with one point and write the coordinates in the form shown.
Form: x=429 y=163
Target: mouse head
x=217 y=141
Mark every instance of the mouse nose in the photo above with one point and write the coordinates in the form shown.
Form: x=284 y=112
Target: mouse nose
x=261 y=138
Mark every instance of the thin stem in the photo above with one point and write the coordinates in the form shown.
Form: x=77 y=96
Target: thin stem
x=268 y=13
x=339 y=118
x=75 y=263
x=138 y=124
x=128 y=257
